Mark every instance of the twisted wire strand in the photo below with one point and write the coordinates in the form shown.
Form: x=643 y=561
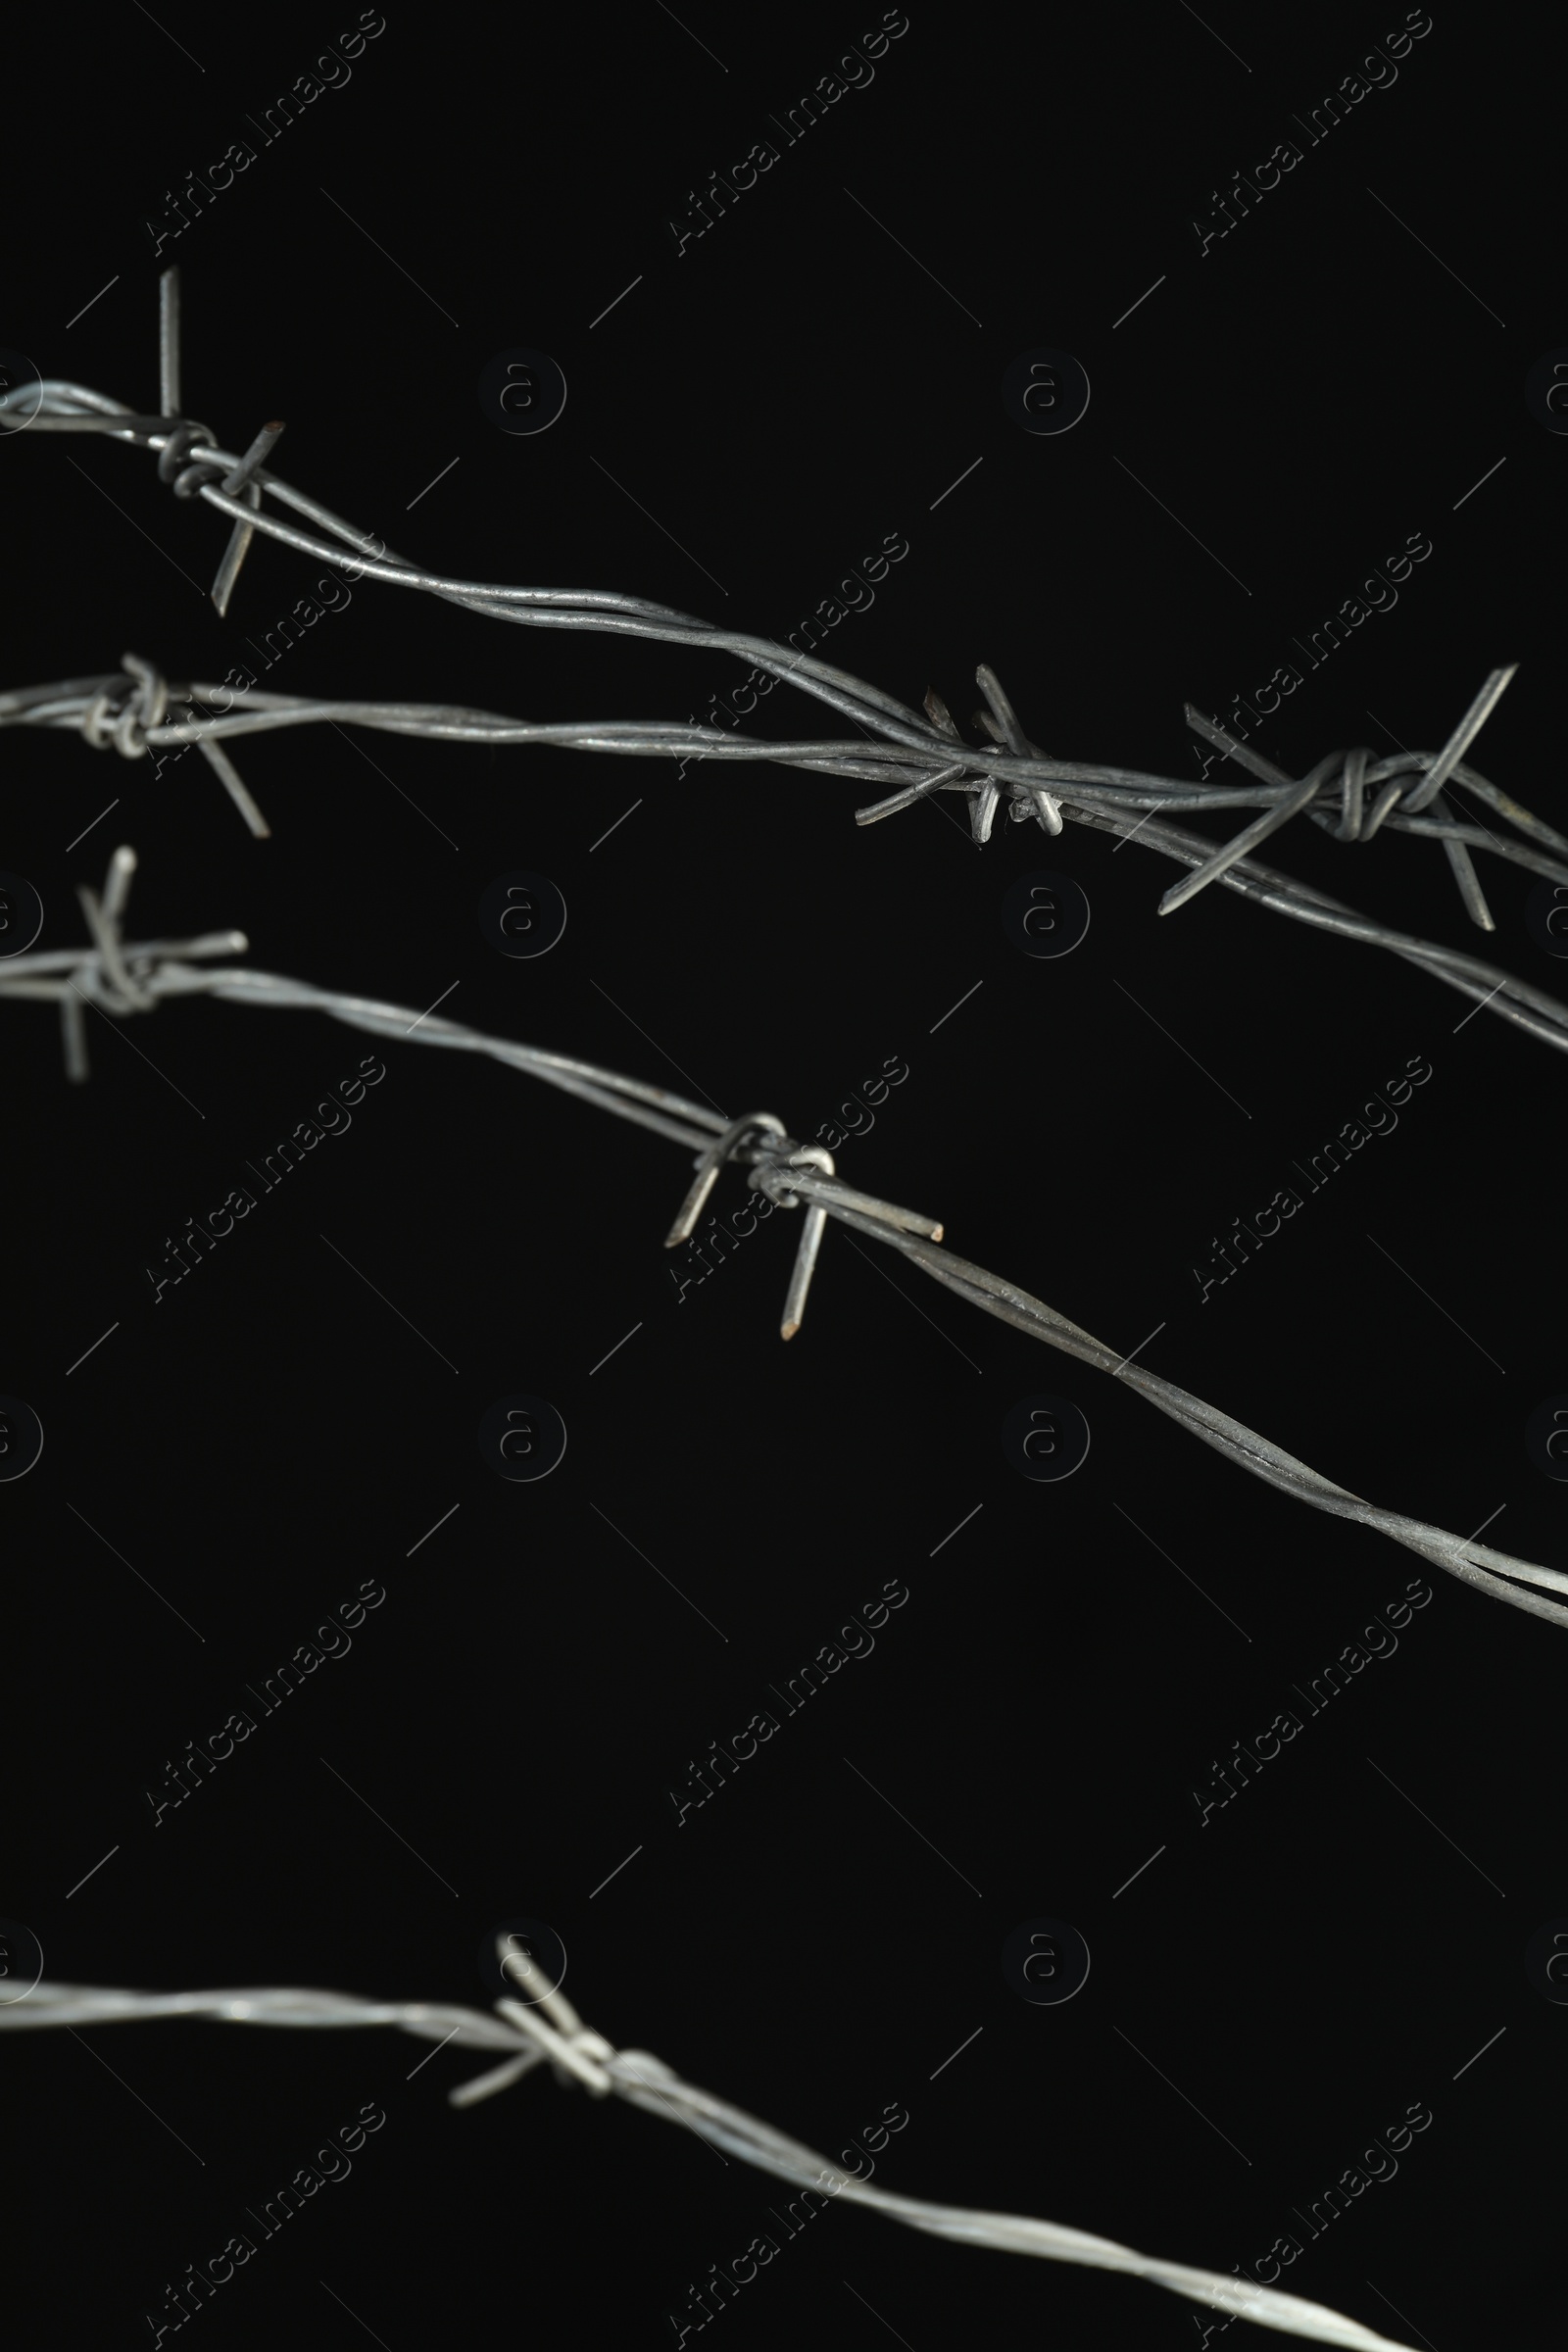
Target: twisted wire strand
x=127 y=709
x=915 y=757
x=124 y=707
x=126 y=979
x=1017 y=775
x=577 y=2054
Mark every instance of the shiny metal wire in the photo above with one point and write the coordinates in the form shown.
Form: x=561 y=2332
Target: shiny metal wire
x=548 y=2029
x=122 y=980
x=909 y=753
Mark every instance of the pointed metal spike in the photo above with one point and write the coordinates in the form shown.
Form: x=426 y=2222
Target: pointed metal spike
x=1459 y=742
x=1469 y=881
x=1002 y=724
x=812 y=1232
x=1464 y=872
x=983 y=811
x=937 y=712
x=235 y=483
x=73 y=1034
x=227 y=572
x=708 y=1167
x=1212 y=732
x=116 y=885
x=691 y=1208
x=909 y=794
x=169 y=342
x=1249 y=836
x=233 y=784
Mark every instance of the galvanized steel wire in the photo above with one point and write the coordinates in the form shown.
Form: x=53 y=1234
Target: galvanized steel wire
x=124 y=980
x=548 y=2029
x=909 y=753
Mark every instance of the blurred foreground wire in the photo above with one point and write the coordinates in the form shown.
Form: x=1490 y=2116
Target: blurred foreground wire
x=578 y=2054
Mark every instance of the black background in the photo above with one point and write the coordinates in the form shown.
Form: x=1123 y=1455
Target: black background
x=746 y=424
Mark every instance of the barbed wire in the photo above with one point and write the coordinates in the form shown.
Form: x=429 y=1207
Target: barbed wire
x=911 y=754
x=123 y=979
x=913 y=751
x=577 y=2054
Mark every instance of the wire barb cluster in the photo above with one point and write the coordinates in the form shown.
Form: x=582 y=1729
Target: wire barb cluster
x=121 y=980
x=548 y=2029
x=911 y=751
x=911 y=756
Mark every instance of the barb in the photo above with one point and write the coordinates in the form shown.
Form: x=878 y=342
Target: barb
x=123 y=979
x=133 y=708
x=577 y=2054
x=909 y=749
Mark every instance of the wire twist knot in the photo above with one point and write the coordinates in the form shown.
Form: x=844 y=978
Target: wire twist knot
x=182 y=438
x=1357 y=821
x=102 y=975
x=121 y=715
x=576 y=2053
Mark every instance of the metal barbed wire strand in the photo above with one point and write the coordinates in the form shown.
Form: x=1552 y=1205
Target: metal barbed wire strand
x=1020 y=776
x=121 y=979
x=107 y=708
x=126 y=706
x=577 y=2054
